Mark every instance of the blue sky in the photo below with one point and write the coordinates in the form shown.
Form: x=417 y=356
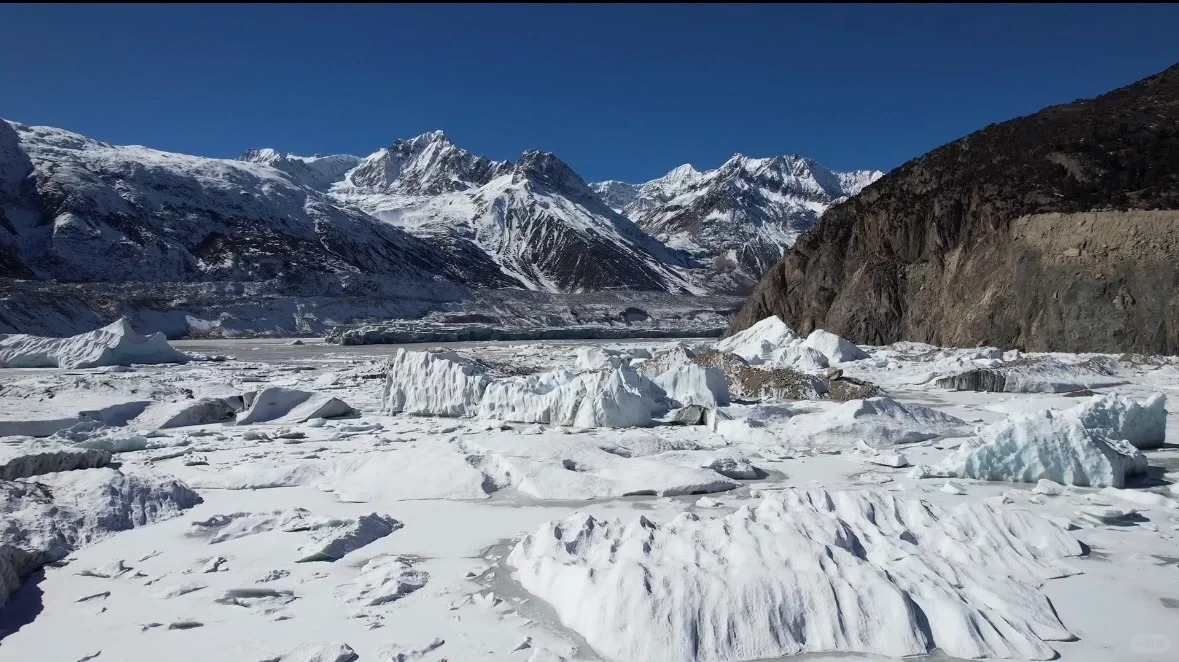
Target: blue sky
x=620 y=92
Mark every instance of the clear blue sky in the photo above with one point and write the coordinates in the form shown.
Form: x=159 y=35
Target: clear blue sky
x=620 y=92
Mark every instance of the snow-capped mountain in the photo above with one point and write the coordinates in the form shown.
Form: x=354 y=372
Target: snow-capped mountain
x=421 y=213
x=317 y=172
x=739 y=218
x=536 y=220
x=76 y=209
x=427 y=165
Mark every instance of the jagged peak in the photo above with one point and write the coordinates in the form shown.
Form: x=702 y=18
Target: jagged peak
x=429 y=138
x=259 y=155
x=546 y=168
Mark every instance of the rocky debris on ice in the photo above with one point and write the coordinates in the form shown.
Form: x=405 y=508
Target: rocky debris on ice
x=382 y=580
x=690 y=415
x=1071 y=446
x=43 y=521
x=1034 y=375
x=805 y=571
x=770 y=332
x=1143 y=423
x=433 y=383
x=287 y=405
x=694 y=385
x=24 y=459
x=835 y=348
x=115 y=344
x=772 y=381
x=609 y=398
x=335 y=543
x=746 y=381
x=878 y=422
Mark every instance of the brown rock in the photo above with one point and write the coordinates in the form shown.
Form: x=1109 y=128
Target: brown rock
x=974 y=242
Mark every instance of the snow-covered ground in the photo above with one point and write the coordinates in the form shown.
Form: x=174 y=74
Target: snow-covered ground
x=774 y=528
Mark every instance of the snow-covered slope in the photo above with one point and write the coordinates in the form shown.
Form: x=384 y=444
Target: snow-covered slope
x=536 y=221
x=317 y=172
x=740 y=217
x=422 y=219
x=79 y=209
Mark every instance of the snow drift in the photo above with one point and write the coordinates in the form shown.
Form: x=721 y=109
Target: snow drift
x=805 y=571
x=115 y=344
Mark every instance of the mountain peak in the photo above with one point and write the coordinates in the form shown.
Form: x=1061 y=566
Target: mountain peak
x=262 y=155
x=546 y=168
x=438 y=137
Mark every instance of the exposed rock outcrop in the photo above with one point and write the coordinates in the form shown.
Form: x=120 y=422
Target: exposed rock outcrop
x=1055 y=231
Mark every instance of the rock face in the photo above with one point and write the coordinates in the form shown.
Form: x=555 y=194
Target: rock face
x=1055 y=231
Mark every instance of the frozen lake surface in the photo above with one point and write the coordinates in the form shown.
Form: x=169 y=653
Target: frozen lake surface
x=783 y=529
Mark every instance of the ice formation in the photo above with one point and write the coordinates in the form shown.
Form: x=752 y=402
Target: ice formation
x=335 y=543
x=1071 y=447
x=24 y=459
x=878 y=422
x=1142 y=423
x=382 y=580
x=333 y=652
x=595 y=358
x=616 y=398
x=805 y=571
x=799 y=357
x=433 y=384
x=115 y=344
x=770 y=332
x=43 y=521
x=836 y=349
x=286 y=405
x=695 y=385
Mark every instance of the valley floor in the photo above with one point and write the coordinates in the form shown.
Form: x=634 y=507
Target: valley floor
x=505 y=546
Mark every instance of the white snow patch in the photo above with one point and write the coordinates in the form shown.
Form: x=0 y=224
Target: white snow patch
x=836 y=349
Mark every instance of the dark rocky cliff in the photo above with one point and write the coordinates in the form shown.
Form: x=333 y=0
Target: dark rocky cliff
x=1055 y=231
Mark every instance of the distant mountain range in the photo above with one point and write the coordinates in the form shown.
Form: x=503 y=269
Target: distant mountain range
x=419 y=215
